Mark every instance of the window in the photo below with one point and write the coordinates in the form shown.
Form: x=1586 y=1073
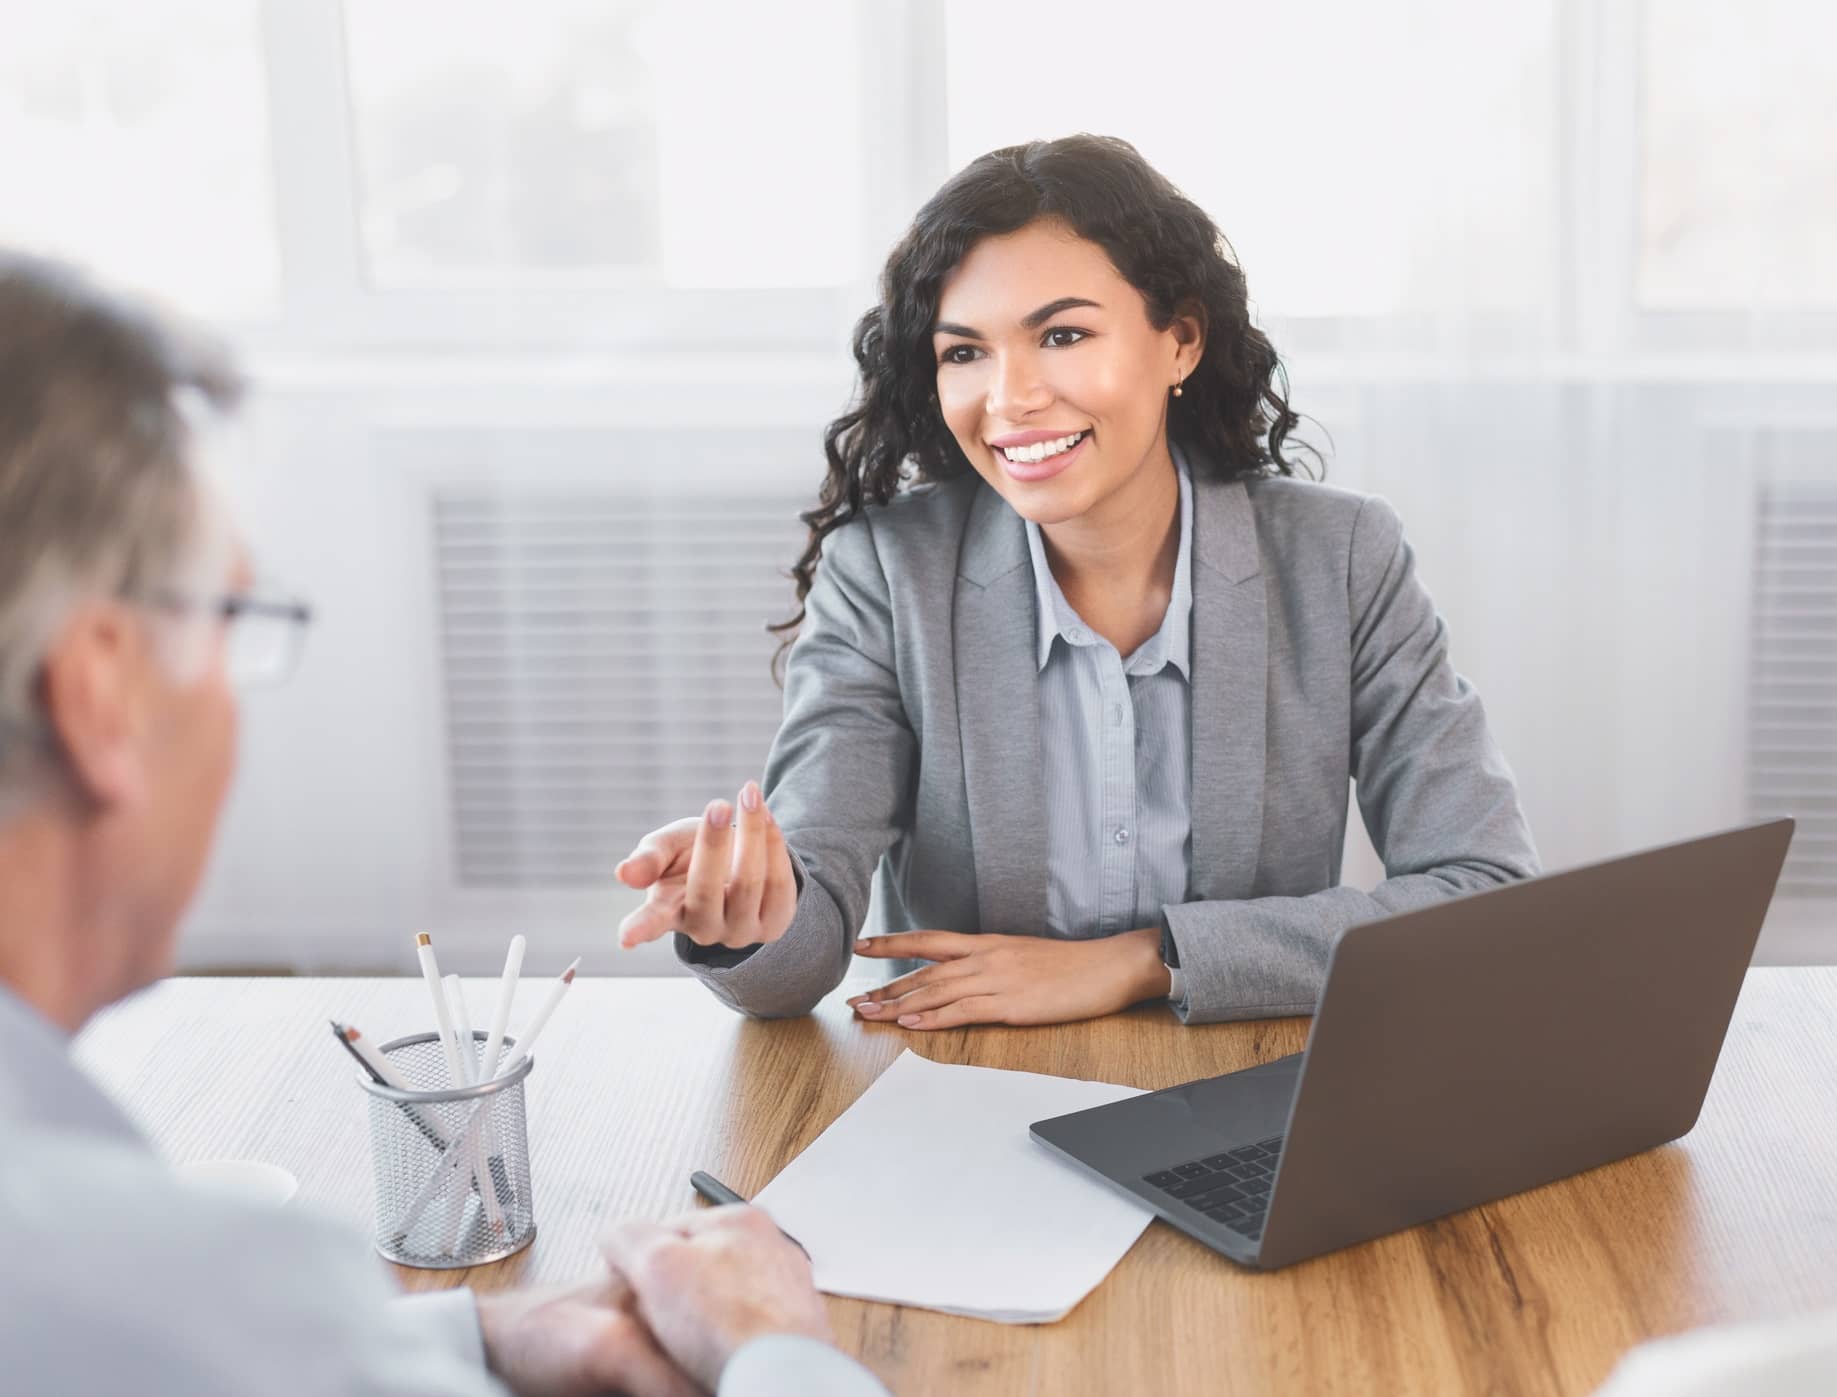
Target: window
x=595 y=143
x=1738 y=181
x=135 y=139
x=1407 y=166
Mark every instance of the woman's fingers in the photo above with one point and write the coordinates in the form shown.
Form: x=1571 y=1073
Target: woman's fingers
x=778 y=903
x=926 y=997
x=919 y=945
x=746 y=883
x=704 y=907
x=660 y=914
x=977 y=1008
x=658 y=854
x=905 y=984
x=723 y=879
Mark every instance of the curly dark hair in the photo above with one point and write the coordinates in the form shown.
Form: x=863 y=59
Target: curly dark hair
x=1233 y=415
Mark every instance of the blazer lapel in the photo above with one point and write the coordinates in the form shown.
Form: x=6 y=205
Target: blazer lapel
x=998 y=718
x=1230 y=688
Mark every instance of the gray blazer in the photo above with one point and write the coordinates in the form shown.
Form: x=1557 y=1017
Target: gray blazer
x=910 y=754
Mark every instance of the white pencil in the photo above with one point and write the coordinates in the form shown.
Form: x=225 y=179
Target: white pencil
x=494 y=1048
x=443 y=1020
x=527 y=1039
x=456 y=1153
x=457 y=1076
x=500 y=1013
x=462 y=1027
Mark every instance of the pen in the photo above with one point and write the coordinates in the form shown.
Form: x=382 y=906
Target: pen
x=380 y=1072
x=720 y=1194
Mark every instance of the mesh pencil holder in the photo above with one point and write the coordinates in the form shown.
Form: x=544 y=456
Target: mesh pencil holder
x=435 y=1151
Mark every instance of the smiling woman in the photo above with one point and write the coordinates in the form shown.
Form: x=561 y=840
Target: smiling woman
x=1079 y=675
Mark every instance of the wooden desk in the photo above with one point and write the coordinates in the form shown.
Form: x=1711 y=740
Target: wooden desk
x=639 y=1081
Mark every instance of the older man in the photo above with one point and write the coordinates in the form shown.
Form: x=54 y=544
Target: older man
x=125 y=610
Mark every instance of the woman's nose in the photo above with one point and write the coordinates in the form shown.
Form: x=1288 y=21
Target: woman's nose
x=1017 y=388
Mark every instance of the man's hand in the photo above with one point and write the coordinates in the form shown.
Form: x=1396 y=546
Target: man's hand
x=709 y=1281
x=724 y=879
x=576 y=1341
x=986 y=978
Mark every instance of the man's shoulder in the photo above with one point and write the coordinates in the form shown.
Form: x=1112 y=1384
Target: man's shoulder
x=125 y=1278
x=82 y=1200
x=177 y=1278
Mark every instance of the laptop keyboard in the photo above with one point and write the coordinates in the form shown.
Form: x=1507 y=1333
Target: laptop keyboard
x=1231 y=1188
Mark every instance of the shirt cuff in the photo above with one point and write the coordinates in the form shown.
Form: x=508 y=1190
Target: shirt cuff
x=780 y=1365
x=448 y=1318
x=1176 y=987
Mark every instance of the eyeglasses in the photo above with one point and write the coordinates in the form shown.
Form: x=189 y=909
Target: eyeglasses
x=264 y=631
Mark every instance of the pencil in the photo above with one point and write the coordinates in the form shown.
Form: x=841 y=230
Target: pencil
x=462 y=1027
x=494 y=1048
x=456 y=1075
x=443 y=1020
x=500 y=1013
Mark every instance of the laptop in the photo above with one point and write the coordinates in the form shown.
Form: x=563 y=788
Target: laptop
x=1459 y=1053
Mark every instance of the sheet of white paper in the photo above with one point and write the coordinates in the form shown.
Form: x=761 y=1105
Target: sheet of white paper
x=929 y=1191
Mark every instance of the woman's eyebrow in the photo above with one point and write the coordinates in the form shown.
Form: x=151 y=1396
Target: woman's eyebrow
x=1032 y=320
x=1052 y=308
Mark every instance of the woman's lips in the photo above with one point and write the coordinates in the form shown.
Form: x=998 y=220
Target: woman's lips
x=1032 y=472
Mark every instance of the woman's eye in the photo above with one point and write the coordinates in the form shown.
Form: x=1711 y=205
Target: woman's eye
x=1063 y=337
x=958 y=354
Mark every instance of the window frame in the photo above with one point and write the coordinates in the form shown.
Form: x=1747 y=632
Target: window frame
x=328 y=306
x=328 y=303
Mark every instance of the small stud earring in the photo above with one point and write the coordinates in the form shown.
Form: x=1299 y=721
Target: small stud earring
x=1176 y=390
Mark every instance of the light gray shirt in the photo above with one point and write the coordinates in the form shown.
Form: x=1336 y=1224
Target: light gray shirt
x=1116 y=735
x=121 y=1278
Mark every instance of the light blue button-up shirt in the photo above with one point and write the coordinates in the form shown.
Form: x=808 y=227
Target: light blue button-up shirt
x=1117 y=736
x=120 y=1278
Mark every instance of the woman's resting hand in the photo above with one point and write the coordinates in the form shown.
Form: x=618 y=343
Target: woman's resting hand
x=983 y=978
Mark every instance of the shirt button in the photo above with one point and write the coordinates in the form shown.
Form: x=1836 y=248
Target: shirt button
x=1122 y=836
x=1076 y=635
x=1116 y=713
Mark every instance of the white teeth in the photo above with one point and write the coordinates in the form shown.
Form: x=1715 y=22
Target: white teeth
x=1040 y=450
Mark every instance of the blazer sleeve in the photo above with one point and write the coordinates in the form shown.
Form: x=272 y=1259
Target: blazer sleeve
x=1437 y=796
x=839 y=782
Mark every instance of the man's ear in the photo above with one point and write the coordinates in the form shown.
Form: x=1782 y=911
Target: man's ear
x=94 y=696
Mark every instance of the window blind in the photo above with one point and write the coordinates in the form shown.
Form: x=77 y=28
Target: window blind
x=1792 y=724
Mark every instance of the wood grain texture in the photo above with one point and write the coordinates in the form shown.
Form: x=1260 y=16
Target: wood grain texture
x=637 y=1082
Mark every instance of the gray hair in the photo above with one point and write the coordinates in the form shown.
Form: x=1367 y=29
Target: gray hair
x=97 y=491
